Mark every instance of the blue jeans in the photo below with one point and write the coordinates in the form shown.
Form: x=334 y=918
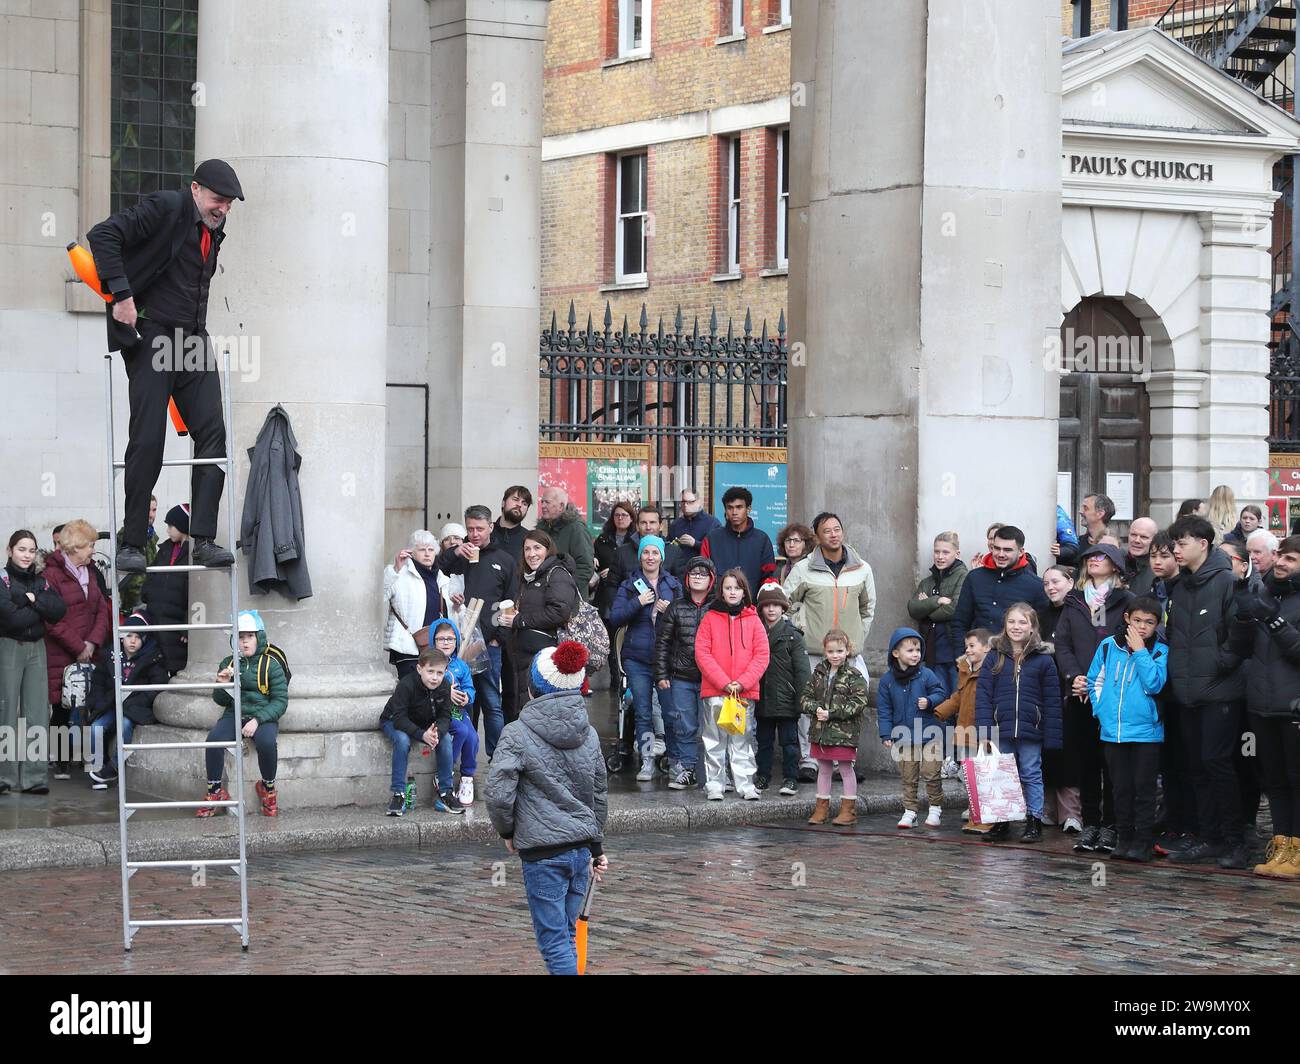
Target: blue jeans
x=683 y=709
x=1029 y=763
x=402 y=752
x=640 y=678
x=224 y=731
x=555 y=888
x=487 y=695
x=102 y=730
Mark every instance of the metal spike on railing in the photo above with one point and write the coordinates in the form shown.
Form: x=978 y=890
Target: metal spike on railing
x=589 y=325
x=695 y=329
x=749 y=325
x=609 y=316
x=729 y=330
x=780 y=324
x=573 y=316
x=677 y=321
x=763 y=339
x=713 y=322
x=660 y=333
x=644 y=320
x=552 y=334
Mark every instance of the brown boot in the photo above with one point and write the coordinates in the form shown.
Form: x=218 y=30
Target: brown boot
x=822 y=813
x=1290 y=868
x=848 y=813
x=1278 y=852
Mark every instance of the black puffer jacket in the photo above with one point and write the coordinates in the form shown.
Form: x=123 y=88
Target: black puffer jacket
x=675 y=633
x=1078 y=634
x=413 y=707
x=148 y=666
x=545 y=604
x=1202 y=667
x=167 y=601
x=1271 y=647
x=788 y=673
x=20 y=618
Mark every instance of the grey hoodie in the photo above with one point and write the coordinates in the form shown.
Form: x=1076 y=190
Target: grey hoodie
x=546 y=785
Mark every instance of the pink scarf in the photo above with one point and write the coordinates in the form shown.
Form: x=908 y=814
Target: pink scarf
x=81 y=572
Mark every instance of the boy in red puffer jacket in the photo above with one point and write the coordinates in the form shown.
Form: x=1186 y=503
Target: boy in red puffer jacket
x=732 y=652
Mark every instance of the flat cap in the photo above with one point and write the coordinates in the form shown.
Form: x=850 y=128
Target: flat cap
x=218 y=175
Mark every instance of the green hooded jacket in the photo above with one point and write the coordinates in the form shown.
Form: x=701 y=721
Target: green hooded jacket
x=264 y=706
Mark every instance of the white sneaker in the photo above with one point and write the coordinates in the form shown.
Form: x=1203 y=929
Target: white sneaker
x=932 y=819
x=660 y=747
x=750 y=794
x=965 y=814
x=1072 y=826
x=647 y=772
x=907 y=819
x=466 y=794
x=713 y=792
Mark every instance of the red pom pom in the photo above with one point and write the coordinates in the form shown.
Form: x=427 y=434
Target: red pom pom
x=570 y=657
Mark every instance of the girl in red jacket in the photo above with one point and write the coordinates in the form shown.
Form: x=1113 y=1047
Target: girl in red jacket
x=731 y=650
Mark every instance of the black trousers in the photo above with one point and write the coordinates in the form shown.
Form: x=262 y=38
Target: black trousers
x=1175 y=774
x=1096 y=798
x=1133 y=768
x=784 y=730
x=1211 y=734
x=1277 y=745
x=160 y=367
x=1249 y=784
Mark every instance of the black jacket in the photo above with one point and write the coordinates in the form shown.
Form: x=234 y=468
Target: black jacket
x=1202 y=667
x=545 y=605
x=788 y=673
x=510 y=540
x=675 y=634
x=167 y=601
x=491 y=578
x=147 y=667
x=1139 y=576
x=1268 y=637
x=1077 y=635
x=413 y=707
x=134 y=246
x=606 y=549
x=21 y=619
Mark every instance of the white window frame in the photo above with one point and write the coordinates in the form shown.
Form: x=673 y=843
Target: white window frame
x=785 y=12
x=619 y=218
x=626 y=45
x=733 y=205
x=737 y=18
x=782 y=199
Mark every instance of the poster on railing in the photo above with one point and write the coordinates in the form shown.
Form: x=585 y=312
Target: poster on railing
x=762 y=471
x=596 y=476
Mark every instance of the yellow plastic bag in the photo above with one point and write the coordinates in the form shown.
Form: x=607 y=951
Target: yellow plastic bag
x=732 y=717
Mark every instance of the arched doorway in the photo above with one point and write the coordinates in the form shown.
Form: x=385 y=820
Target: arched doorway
x=1104 y=434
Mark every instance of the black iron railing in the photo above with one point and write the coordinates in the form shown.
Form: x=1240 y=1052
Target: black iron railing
x=679 y=391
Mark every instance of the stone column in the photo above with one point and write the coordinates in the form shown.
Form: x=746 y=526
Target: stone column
x=485 y=260
x=1236 y=294
x=295 y=97
x=925 y=276
x=1175 y=440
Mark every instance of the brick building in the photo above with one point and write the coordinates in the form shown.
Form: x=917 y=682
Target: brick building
x=663 y=182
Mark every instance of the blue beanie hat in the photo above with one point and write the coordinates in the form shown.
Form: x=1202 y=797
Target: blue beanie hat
x=651 y=541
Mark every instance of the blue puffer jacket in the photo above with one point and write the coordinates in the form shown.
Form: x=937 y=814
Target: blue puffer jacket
x=1124 y=685
x=639 y=643
x=457 y=670
x=1024 y=704
x=989 y=592
x=896 y=699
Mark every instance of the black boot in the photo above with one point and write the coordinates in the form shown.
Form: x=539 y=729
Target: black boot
x=1123 y=847
x=209 y=554
x=1142 y=851
x=130 y=559
x=998 y=832
x=1033 y=830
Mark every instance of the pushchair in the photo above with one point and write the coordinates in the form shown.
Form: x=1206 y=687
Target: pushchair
x=624 y=752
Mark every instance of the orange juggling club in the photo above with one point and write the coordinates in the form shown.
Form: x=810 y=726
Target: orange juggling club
x=83 y=262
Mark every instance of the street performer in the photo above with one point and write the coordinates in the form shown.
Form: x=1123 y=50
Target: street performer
x=156 y=258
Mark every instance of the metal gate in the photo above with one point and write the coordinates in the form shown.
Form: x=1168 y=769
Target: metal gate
x=681 y=392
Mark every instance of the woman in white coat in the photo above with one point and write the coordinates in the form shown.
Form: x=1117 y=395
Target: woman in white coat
x=412 y=599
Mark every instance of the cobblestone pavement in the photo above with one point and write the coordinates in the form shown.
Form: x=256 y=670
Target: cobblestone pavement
x=776 y=899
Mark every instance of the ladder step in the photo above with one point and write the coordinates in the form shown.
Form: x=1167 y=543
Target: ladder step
x=182 y=864
x=235 y=921
x=177 y=627
x=176 y=805
x=184 y=462
x=182 y=569
x=179 y=746
x=209 y=685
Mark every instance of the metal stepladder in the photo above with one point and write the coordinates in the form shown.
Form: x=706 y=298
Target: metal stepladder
x=238 y=865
